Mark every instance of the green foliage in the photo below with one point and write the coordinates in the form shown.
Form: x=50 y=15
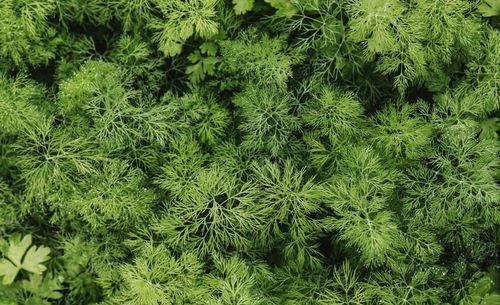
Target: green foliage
x=333 y=114
x=290 y=202
x=402 y=132
x=26 y=36
x=267 y=122
x=18 y=106
x=182 y=19
x=404 y=285
x=134 y=12
x=156 y=277
x=203 y=115
x=215 y=212
x=253 y=152
x=402 y=36
x=359 y=198
x=344 y=287
x=182 y=164
x=257 y=58
x=8 y=207
x=115 y=197
x=322 y=39
x=116 y=115
x=485 y=289
x=235 y=281
x=49 y=158
x=98 y=12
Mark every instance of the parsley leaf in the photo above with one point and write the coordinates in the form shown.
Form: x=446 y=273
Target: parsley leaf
x=32 y=262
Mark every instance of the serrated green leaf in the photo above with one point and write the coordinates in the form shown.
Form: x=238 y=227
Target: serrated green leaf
x=195 y=72
x=194 y=57
x=43 y=287
x=489 y=8
x=34 y=259
x=242 y=6
x=284 y=7
x=202 y=66
x=209 y=65
x=17 y=249
x=10 y=266
x=209 y=48
x=8 y=271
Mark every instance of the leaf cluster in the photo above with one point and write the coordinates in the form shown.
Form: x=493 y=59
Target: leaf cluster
x=254 y=152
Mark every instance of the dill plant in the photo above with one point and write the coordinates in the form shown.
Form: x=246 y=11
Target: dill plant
x=250 y=152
